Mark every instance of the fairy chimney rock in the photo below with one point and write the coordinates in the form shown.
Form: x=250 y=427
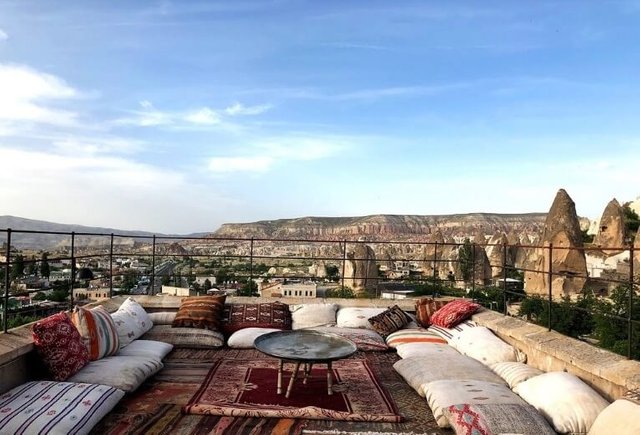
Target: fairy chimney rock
x=360 y=271
x=611 y=229
x=568 y=264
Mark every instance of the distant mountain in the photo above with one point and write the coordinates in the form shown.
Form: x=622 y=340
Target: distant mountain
x=51 y=241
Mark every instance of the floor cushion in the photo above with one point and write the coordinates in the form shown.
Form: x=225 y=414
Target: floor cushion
x=55 y=408
x=449 y=333
x=201 y=312
x=186 y=337
x=476 y=419
x=126 y=373
x=622 y=417
x=60 y=346
x=444 y=393
x=311 y=315
x=570 y=405
x=482 y=344
x=131 y=321
x=515 y=372
x=163 y=317
x=244 y=338
x=150 y=348
x=418 y=335
x=364 y=339
x=425 y=350
x=389 y=321
x=454 y=312
x=353 y=317
x=265 y=315
x=98 y=331
x=418 y=370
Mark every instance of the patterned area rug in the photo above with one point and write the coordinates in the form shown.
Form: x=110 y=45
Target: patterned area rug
x=247 y=388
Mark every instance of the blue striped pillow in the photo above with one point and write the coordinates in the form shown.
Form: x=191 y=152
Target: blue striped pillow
x=98 y=331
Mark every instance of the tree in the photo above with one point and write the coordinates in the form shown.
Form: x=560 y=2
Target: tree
x=631 y=222
x=17 y=269
x=340 y=292
x=129 y=279
x=40 y=296
x=610 y=330
x=31 y=266
x=332 y=272
x=465 y=257
x=224 y=275
x=249 y=288
x=207 y=284
x=45 y=269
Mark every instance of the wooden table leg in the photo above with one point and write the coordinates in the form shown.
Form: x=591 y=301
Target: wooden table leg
x=307 y=372
x=280 y=364
x=329 y=379
x=293 y=378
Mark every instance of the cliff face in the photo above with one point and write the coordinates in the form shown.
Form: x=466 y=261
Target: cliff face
x=387 y=227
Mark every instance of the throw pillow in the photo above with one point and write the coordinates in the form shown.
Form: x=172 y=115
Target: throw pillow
x=389 y=321
x=425 y=308
x=98 y=331
x=244 y=338
x=310 y=315
x=482 y=344
x=60 y=346
x=202 y=312
x=620 y=418
x=267 y=315
x=454 y=312
x=406 y=336
x=355 y=317
x=137 y=313
x=477 y=419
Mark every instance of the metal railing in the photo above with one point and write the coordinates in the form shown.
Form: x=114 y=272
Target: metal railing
x=84 y=248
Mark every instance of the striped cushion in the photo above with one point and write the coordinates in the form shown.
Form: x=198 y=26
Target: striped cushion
x=448 y=333
x=98 y=331
x=55 y=407
x=389 y=321
x=425 y=308
x=203 y=312
x=418 y=335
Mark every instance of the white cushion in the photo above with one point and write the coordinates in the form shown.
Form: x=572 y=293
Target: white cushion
x=55 y=408
x=310 y=315
x=570 y=405
x=622 y=417
x=244 y=338
x=351 y=317
x=425 y=350
x=131 y=320
x=442 y=394
x=150 y=348
x=482 y=344
x=515 y=372
x=448 y=333
x=124 y=372
x=162 y=317
x=418 y=370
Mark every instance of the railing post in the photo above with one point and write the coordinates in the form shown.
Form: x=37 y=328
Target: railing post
x=550 y=277
x=435 y=255
x=473 y=266
x=344 y=261
x=630 y=311
x=251 y=267
x=153 y=267
x=504 y=276
x=111 y=267
x=7 y=281
x=73 y=265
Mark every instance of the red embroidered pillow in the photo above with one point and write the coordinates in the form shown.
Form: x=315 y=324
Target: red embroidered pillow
x=454 y=312
x=60 y=346
x=203 y=312
x=425 y=308
x=268 y=315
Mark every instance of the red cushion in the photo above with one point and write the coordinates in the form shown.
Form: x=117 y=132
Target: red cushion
x=454 y=312
x=60 y=346
x=265 y=315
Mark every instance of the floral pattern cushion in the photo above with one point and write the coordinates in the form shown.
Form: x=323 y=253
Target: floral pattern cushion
x=389 y=321
x=60 y=346
x=131 y=321
x=98 y=331
x=267 y=315
x=454 y=312
x=201 y=312
x=55 y=407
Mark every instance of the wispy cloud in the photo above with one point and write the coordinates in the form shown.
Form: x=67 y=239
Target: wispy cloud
x=239 y=109
x=97 y=146
x=265 y=155
x=3 y=35
x=27 y=95
x=204 y=116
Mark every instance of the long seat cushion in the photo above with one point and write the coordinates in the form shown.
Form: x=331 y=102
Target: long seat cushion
x=55 y=408
x=126 y=373
x=186 y=337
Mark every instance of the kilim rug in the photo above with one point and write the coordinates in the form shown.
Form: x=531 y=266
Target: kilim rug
x=247 y=388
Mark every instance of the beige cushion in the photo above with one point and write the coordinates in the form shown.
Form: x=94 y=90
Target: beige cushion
x=622 y=417
x=482 y=344
x=163 y=317
x=570 y=405
x=425 y=350
x=310 y=315
x=442 y=394
x=186 y=337
x=131 y=321
x=515 y=372
x=244 y=338
x=126 y=373
x=351 y=317
x=150 y=348
x=418 y=370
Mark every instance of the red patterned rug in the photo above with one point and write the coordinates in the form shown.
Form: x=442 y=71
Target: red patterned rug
x=247 y=388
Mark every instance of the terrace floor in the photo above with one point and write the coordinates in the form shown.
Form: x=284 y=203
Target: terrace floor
x=155 y=406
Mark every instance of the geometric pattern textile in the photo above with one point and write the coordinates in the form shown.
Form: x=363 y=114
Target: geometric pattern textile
x=266 y=315
x=389 y=321
x=203 y=312
x=425 y=308
x=454 y=312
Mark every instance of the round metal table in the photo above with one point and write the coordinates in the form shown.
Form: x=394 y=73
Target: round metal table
x=304 y=347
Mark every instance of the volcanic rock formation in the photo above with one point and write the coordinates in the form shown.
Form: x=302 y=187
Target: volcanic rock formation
x=611 y=229
x=568 y=263
x=360 y=271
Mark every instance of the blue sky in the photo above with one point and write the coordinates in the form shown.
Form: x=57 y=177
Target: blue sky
x=179 y=116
